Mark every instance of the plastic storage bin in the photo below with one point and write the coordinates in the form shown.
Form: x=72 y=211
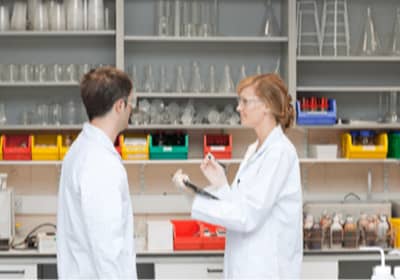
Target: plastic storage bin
x=379 y=150
x=220 y=145
x=134 y=146
x=66 y=141
x=1 y=147
x=46 y=147
x=170 y=149
x=117 y=145
x=211 y=239
x=323 y=151
x=394 y=145
x=187 y=235
x=317 y=118
x=17 y=147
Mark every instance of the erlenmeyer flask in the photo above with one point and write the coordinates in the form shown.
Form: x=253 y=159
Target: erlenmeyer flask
x=195 y=81
x=370 y=44
x=395 y=47
x=180 y=80
x=226 y=85
x=164 y=86
x=148 y=83
x=391 y=116
x=242 y=74
x=271 y=27
x=211 y=79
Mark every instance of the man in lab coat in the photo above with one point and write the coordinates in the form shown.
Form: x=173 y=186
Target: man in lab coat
x=94 y=217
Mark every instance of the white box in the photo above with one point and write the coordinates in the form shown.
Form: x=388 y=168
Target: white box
x=159 y=236
x=323 y=151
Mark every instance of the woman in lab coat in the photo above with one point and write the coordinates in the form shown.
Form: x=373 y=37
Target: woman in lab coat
x=262 y=209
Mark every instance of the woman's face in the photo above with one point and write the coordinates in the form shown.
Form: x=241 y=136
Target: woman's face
x=251 y=109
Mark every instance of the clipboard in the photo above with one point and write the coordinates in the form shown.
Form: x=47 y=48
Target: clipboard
x=200 y=191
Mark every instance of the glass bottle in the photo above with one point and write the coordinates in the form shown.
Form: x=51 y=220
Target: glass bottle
x=391 y=115
x=395 y=47
x=195 y=82
x=336 y=233
x=226 y=84
x=242 y=74
x=382 y=231
x=212 y=88
x=3 y=117
x=370 y=43
x=163 y=18
x=164 y=85
x=271 y=27
x=148 y=83
x=132 y=72
x=350 y=233
x=180 y=85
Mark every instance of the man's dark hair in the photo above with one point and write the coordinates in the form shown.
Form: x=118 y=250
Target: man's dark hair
x=101 y=88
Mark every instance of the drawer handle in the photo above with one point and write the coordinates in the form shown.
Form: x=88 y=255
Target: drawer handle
x=12 y=272
x=215 y=270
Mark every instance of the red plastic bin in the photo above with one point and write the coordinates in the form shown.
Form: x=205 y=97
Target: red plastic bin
x=187 y=235
x=212 y=242
x=17 y=147
x=117 y=144
x=220 y=145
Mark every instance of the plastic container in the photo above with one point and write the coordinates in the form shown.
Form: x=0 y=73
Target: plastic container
x=46 y=147
x=365 y=151
x=66 y=141
x=394 y=145
x=117 y=145
x=395 y=227
x=1 y=147
x=187 y=235
x=317 y=117
x=220 y=145
x=134 y=146
x=169 y=150
x=17 y=147
x=212 y=238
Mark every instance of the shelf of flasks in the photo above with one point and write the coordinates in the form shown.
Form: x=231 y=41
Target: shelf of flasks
x=39 y=84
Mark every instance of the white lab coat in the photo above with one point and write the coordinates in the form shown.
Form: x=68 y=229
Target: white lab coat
x=94 y=216
x=262 y=212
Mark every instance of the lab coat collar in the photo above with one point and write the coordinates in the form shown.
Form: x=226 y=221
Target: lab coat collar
x=275 y=134
x=97 y=135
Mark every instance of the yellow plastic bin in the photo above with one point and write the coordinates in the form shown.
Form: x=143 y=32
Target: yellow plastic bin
x=46 y=147
x=395 y=227
x=134 y=146
x=65 y=142
x=365 y=151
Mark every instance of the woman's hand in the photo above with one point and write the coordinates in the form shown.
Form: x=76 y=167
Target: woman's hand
x=213 y=171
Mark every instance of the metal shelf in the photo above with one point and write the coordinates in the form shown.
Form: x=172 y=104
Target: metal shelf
x=58 y=33
x=348 y=58
x=346 y=89
x=219 y=39
x=347 y=161
x=186 y=95
x=39 y=84
x=366 y=125
x=199 y=160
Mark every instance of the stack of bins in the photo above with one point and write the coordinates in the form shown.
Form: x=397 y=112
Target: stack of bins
x=134 y=146
x=17 y=147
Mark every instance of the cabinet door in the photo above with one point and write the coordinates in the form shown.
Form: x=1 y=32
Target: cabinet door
x=189 y=271
x=319 y=270
x=20 y=271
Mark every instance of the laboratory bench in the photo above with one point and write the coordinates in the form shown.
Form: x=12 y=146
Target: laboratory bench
x=324 y=264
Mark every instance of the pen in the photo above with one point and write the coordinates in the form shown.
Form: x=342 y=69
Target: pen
x=210 y=157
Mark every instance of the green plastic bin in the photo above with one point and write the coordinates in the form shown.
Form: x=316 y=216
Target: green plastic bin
x=169 y=152
x=394 y=145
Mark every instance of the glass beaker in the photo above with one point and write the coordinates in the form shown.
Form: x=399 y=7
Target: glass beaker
x=370 y=43
x=95 y=15
x=4 y=17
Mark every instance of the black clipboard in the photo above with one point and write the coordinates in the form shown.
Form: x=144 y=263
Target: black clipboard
x=200 y=191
